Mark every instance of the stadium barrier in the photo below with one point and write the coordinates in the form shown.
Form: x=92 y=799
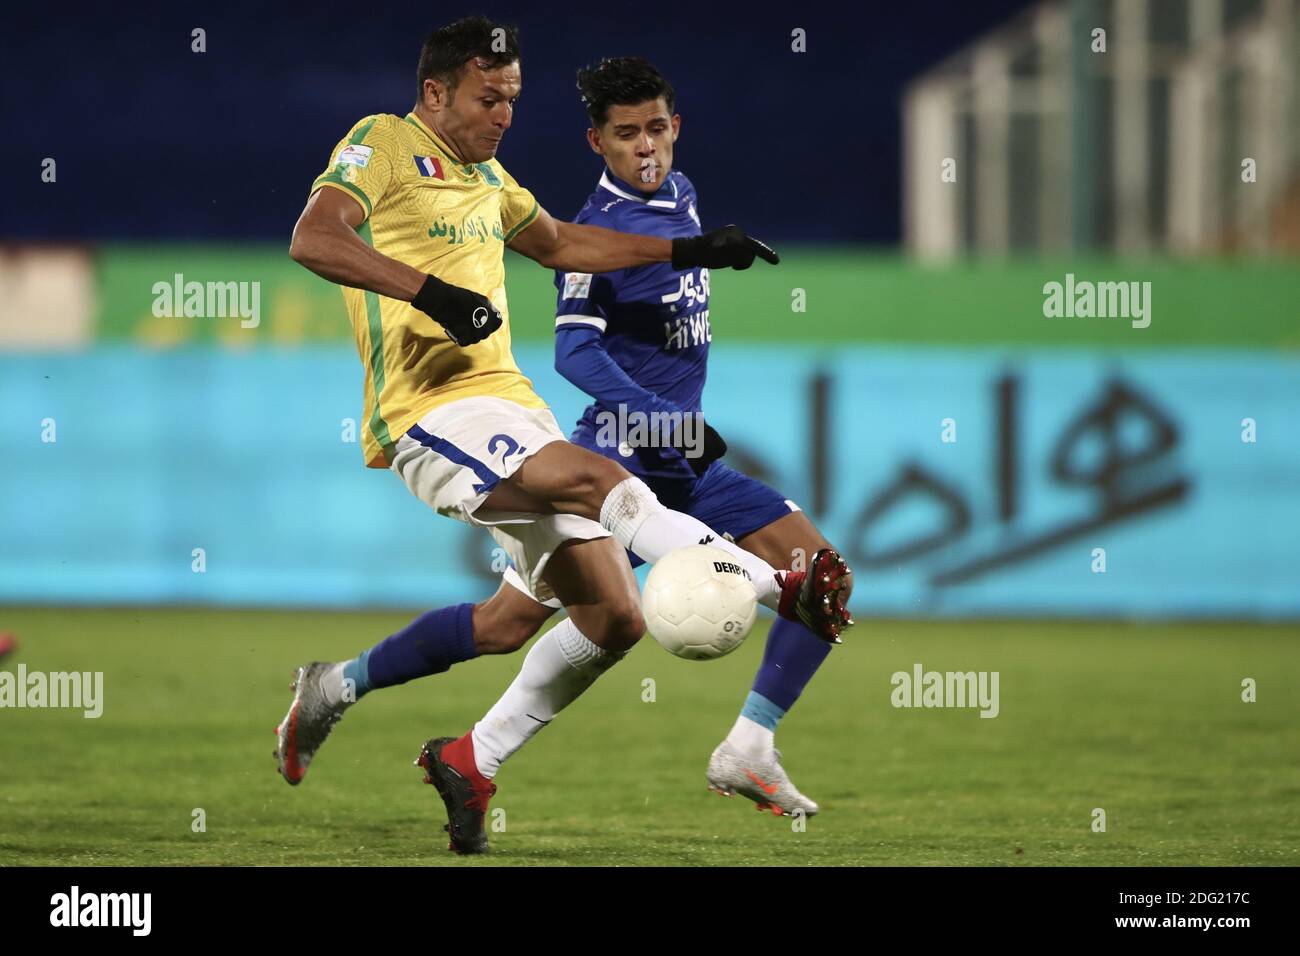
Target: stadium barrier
x=978 y=481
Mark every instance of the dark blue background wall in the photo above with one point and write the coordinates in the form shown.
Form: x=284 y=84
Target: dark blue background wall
x=154 y=141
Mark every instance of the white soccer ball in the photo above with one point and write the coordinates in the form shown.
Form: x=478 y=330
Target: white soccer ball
x=699 y=603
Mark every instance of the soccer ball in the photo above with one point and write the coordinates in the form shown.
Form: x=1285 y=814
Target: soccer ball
x=698 y=603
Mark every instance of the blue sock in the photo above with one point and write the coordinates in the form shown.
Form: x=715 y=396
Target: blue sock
x=762 y=711
x=791 y=657
x=428 y=645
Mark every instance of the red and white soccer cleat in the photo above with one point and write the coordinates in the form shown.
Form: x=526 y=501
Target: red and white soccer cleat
x=816 y=597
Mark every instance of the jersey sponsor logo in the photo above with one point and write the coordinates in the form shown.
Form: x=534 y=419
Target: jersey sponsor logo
x=577 y=285
x=687 y=331
x=475 y=227
x=353 y=155
x=429 y=166
x=688 y=289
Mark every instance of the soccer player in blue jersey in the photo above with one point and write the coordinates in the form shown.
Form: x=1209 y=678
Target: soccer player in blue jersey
x=637 y=341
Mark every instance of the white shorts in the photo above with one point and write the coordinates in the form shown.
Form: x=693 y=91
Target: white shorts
x=453 y=457
x=512 y=578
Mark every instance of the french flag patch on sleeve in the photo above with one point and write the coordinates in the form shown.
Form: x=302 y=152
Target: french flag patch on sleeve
x=429 y=166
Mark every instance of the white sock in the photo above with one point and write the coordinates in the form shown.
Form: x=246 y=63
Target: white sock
x=331 y=685
x=751 y=739
x=559 y=667
x=640 y=523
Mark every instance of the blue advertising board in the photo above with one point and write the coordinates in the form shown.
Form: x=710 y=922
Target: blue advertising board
x=957 y=482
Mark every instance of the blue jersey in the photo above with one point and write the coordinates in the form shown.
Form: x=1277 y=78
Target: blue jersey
x=652 y=323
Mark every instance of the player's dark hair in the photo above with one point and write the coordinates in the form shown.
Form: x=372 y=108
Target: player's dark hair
x=621 y=81
x=447 y=49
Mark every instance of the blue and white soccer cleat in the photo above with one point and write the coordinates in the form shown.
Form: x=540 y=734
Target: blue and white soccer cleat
x=763 y=780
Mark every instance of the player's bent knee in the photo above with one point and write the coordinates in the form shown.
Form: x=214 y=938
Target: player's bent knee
x=594 y=475
x=623 y=627
x=608 y=473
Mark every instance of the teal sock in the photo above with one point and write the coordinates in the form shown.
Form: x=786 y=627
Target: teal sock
x=762 y=711
x=357 y=670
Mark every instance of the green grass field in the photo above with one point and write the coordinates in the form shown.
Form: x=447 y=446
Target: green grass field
x=1143 y=720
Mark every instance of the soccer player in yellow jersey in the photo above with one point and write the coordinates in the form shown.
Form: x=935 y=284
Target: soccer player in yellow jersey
x=412 y=217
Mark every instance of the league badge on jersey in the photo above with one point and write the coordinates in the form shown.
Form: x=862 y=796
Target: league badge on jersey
x=429 y=166
x=354 y=155
x=577 y=285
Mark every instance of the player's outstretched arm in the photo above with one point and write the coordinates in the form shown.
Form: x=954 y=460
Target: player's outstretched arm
x=325 y=241
x=574 y=247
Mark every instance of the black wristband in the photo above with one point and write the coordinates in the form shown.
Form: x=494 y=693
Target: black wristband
x=684 y=252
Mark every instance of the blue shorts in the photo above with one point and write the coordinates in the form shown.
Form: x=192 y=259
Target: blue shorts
x=728 y=501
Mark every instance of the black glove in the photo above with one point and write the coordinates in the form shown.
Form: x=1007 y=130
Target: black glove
x=713 y=448
x=728 y=246
x=466 y=316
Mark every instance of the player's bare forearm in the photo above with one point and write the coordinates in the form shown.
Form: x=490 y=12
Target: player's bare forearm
x=577 y=247
x=585 y=248
x=325 y=241
x=572 y=247
x=341 y=256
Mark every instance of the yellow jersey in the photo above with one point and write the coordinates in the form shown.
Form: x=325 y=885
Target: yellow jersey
x=447 y=218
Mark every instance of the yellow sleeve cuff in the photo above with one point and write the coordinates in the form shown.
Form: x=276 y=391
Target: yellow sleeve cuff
x=523 y=223
x=338 y=182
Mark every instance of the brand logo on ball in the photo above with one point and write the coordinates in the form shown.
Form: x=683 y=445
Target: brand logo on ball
x=698 y=603
x=725 y=567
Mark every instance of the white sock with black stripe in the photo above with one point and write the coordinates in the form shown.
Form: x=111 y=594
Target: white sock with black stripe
x=557 y=669
x=640 y=523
